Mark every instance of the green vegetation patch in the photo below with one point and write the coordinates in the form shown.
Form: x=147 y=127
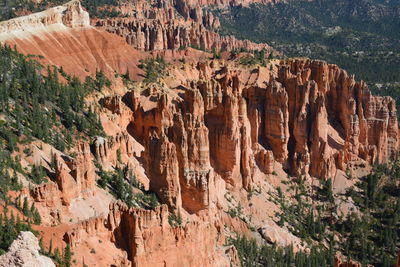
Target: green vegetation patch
x=369 y=233
x=361 y=36
x=252 y=254
x=120 y=183
x=37 y=105
x=154 y=67
x=10 y=228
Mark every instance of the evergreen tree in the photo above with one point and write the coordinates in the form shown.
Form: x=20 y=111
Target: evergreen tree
x=67 y=256
x=25 y=208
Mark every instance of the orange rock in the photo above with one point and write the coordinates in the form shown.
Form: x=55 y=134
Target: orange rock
x=151 y=241
x=66 y=30
x=147 y=27
x=208 y=127
x=74 y=177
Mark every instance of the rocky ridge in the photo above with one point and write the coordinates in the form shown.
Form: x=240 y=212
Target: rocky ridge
x=66 y=30
x=70 y=15
x=207 y=110
x=139 y=232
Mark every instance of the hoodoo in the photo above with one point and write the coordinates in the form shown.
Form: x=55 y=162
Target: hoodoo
x=178 y=146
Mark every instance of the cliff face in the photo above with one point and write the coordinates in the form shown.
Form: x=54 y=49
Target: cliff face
x=65 y=30
x=224 y=123
x=220 y=121
x=148 y=239
x=224 y=3
x=141 y=231
x=157 y=26
x=335 y=104
x=151 y=35
x=74 y=178
x=70 y=15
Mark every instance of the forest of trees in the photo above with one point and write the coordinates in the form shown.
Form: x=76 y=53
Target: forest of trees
x=370 y=234
x=97 y=8
x=62 y=259
x=35 y=104
x=10 y=226
x=252 y=254
x=360 y=36
x=154 y=67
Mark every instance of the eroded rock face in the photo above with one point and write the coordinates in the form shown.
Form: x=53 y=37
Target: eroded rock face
x=65 y=30
x=24 y=252
x=308 y=115
x=149 y=35
x=327 y=102
x=224 y=3
x=176 y=146
x=74 y=177
x=149 y=240
x=155 y=26
x=139 y=231
x=69 y=15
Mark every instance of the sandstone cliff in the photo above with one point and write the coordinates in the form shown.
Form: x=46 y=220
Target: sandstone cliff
x=148 y=239
x=70 y=15
x=224 y=3
x=216 y=127
x=156 y=26
x=233 y=122
x=66 y=30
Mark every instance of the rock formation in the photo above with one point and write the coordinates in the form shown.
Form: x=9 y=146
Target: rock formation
x=324 y=101
x=224 y=3
x=24 y=252
x=155 y=26
x=207 y=129
x=74 y=177
x=149 y=35
x=311 y=117
x=66 y=30
x=149 y=240
x=70 y=15
x=139 y=231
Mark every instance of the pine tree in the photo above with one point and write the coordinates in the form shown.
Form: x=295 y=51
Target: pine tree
x=25 y=208
x=67 y=256
x=57 y=256
x=37 y=219
x=41 y=245
x=50 y=250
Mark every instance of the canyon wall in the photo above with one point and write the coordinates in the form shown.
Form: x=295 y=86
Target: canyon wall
x=161 y=25
x=65 y=30
x=149 y=240
x=73 y=178
x=206 y=129
x=225 y=3
x=222 y=120
x=149 y=35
